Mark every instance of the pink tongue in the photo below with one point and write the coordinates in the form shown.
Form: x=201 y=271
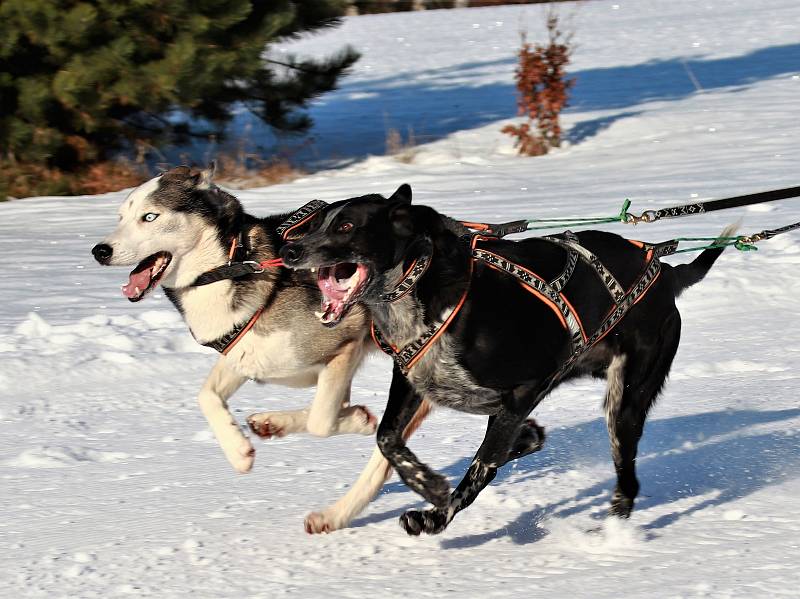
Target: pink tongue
x=331 y=289
x=137 y=279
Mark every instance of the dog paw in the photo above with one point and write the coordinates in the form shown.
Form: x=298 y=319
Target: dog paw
x=264 y=427
x=369 y=423
x=319 y=522
x=241 y=456
x=621 y=506
x=530 y=439
x=431 y=522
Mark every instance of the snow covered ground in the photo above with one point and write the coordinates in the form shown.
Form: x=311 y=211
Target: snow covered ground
x=112 y=484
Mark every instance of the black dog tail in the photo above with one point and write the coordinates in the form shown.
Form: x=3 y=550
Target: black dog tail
x=687 y=275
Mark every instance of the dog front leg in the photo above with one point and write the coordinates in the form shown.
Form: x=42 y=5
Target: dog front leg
x=403 y=403
x=493 y=453
x=221 y=383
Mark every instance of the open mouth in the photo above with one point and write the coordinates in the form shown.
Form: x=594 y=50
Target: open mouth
x=341 y=285
x=146 y=276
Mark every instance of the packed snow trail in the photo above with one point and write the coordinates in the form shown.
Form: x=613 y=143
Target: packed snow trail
x=112 y=484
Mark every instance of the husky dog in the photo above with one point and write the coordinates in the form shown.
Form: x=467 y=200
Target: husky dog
x=179 y=226
x=490 y=326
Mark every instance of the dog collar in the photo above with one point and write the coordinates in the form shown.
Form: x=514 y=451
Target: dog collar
x=412 y=274
x=405 y=357
x=235 y=270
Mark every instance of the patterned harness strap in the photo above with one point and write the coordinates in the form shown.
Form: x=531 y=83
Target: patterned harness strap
x=541 y=289
x=407 y=356
x=417 y=268
x=549 y=292
x=299 y=217
x=635 y=293
x=571 y=244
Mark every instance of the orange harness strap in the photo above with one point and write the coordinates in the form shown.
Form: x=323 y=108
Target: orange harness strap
x=405 y=358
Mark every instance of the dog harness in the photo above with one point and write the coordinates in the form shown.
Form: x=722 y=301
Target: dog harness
x=233 y=269
x=551 y=292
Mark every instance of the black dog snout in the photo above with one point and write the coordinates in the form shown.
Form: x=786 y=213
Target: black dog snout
x=102 y=252
x=292 y=253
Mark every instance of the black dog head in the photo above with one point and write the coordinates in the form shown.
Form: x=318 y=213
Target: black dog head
x=354 y=244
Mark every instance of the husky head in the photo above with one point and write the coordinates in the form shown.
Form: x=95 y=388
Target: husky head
x=163 y=221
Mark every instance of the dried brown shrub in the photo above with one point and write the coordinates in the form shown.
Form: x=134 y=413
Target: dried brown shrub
x=25 y=179
x=543 y=91
x=401 y=149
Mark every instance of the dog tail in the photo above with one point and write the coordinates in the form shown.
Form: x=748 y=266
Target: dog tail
x=689 y=274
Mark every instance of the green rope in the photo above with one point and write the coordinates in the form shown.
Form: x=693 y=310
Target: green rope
x=557 y=223
x=719 y=242
x=560 y=224
x=738 y=242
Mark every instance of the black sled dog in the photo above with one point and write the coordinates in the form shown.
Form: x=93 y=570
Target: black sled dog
x=490 y=326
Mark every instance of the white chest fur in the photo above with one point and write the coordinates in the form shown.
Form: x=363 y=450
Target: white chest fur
x=272 y=358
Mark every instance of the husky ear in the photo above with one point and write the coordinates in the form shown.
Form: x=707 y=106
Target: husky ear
x=402 y=195
x=400 y=217
x=206 y=176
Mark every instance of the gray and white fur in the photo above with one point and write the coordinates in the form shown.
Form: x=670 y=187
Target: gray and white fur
x=195 y=222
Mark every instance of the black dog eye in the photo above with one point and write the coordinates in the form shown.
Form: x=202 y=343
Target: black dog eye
x=344 y=227
x=150 y=217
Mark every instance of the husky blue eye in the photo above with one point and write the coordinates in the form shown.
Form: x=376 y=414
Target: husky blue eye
x=150 y=217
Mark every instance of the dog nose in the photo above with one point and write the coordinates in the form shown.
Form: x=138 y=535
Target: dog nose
x=102 y=252
x=291 y=253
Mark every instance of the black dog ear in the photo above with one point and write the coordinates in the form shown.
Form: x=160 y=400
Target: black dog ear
x=402 y=195
x=400 y=217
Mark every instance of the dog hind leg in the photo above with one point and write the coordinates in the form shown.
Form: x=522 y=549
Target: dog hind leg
x=634 y=382
x=365 y=488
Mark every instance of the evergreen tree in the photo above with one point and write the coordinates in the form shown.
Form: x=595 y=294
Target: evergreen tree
x=82 y=78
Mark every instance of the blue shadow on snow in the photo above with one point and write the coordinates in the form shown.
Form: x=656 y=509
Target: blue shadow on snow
x=678 y=458
x=434 y=109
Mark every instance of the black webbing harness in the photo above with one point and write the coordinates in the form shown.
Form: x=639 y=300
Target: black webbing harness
x=549 y=291
x=236 y=269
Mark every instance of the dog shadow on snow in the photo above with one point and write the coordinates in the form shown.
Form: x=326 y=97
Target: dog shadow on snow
x=681 y=457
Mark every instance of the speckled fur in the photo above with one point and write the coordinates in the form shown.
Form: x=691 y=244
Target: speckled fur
x=504 y=351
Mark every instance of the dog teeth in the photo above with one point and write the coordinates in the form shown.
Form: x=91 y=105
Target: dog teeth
x=319 y=314
x=313 y=270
